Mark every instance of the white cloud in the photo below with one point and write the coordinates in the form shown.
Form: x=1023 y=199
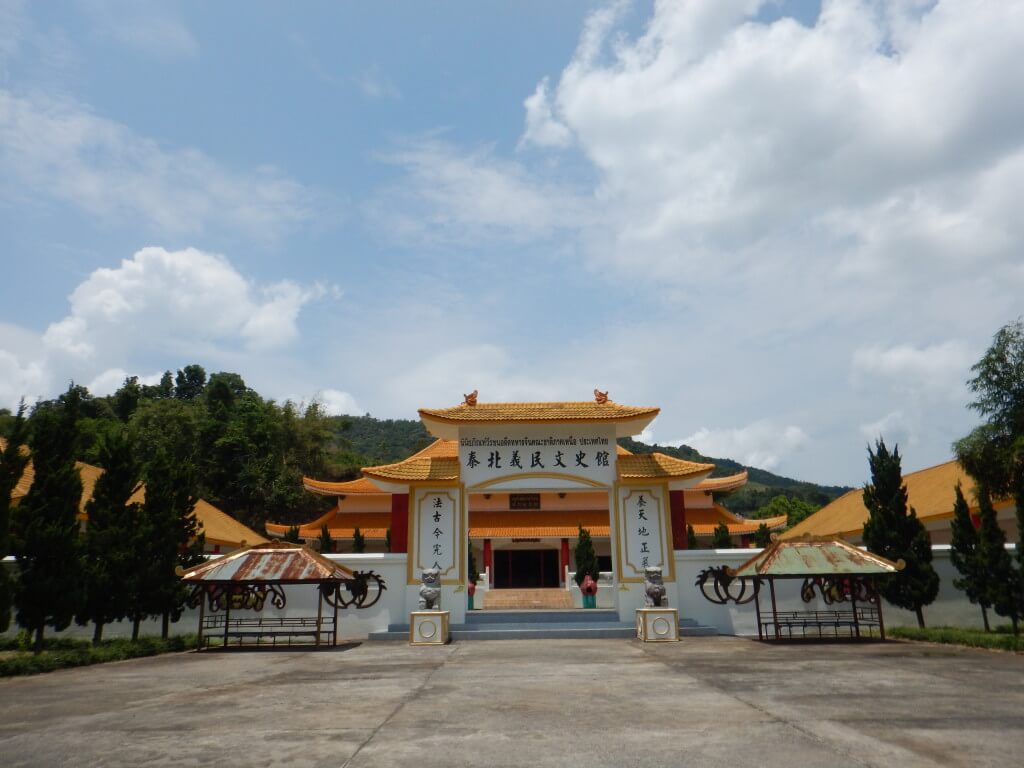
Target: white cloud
x=178 y=301
x=541 y=127
x=60 y=149
x=938 y=370
x=375 y=85
x=762 y=444
x=108 y=382
x=896 y=428
x=148 y=28
x=333 y=402
x=450 y=196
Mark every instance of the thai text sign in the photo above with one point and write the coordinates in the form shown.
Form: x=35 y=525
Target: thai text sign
x=585 y=451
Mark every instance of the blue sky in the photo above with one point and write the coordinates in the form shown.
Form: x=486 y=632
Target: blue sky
x=792 y=225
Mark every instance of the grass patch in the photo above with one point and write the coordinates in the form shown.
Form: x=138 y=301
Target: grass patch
x=64 y=652
x=1001 y=639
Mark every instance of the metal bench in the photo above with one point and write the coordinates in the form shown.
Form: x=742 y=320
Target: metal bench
x=271 y=627
x=855 y=621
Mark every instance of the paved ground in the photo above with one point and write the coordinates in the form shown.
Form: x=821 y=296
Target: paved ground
x=703 y=702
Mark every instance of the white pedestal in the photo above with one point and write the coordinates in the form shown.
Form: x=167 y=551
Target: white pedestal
x=657 y=625
x=429 y=627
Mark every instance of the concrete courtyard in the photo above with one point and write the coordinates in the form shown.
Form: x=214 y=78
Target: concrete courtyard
x=703 y=702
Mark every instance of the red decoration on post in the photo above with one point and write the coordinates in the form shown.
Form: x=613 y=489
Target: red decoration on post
x=471 y=588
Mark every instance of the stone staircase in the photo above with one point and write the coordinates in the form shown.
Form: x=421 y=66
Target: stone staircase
x=576 y=624
x=536 y=599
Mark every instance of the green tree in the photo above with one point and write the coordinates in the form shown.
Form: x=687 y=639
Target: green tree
x=325 y=539
x=45 y=522
x=358 y=541
x=794 y=509
x=691 y=538
x=993 y=453
x=127 y=398
x=107 y=543
x=292 y=535
x=966 y=558
x=13 y=460
x=474 y=574
x=894 y=532
x=1002 y=584
x=586 y=558
x=721 y=538
x=762 y=536
x=190 y=382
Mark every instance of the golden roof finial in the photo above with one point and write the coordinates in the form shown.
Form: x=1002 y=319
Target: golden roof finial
x=470 y=399
x=600 y=397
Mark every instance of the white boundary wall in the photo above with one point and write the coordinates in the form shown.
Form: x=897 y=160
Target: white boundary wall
x=951 y=607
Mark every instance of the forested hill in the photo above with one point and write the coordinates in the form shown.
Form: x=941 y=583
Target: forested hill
x=385 y=441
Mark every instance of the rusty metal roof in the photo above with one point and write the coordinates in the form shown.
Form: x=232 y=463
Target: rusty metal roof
x=814 y=557
x=277 y=561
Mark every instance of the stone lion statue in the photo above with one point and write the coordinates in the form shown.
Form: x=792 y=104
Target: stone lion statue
x=430 y=590
x=654 y=588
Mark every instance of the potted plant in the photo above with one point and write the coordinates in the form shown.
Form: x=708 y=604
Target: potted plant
x=474 y=577
x=587 y=572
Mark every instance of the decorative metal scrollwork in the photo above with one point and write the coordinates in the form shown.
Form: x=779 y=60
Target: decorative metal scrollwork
x=724 y=588
x=838 y=589
x=237 y=597
x=359 y=589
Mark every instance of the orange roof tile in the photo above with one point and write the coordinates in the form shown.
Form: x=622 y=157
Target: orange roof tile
x=620 y=451
x=341 y=525
x=361 y=485
x=658 y=466
x=722 y=484
x=538 y=412
x=705 y=519
x=441 y=469
x=929 y=491
x=562 y=524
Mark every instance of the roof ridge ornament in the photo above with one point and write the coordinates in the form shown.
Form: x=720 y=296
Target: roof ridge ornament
x=600 y=397
x=470 y=399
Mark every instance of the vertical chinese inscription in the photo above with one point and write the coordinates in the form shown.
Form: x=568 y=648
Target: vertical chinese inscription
x=642 y=530
x=436 y=529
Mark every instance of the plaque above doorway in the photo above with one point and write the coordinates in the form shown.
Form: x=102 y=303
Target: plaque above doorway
x=524 y=501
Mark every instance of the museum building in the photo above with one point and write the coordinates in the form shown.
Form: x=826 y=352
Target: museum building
x=516 y=482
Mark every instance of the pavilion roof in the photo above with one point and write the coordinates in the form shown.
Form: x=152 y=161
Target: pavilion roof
x=341 y=525
x=277 y=561
x=810 y=556
x=360 y=486
x=930 y=492
x=704 y=520
x=561 y=524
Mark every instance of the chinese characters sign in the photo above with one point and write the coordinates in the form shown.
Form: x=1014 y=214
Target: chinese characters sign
x=642 y=529
x=436 y=526
x=585 y=451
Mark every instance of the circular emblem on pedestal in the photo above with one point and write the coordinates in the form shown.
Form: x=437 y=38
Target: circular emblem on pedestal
x=661 y=626
x=428 y=628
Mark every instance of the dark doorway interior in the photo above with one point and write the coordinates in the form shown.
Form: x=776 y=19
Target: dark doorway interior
x=526 y=568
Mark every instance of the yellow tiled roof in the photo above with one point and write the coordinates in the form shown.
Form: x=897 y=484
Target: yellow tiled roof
x=442 y=468
x=341 y=525
x=929 y=491
x=221 y=528
x=536 y=525
x=705 y=519
x=721 y=484
x=658 y=466
x=360 y=485
x=620 y=451
x=440 y=448
x=534 y=412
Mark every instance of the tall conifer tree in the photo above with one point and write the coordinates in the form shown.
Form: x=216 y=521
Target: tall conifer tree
x=721 y=538
x=1002 y=580
x=108 y=541
x=358 y=541
x=894 y=532
x=966 y=557
x=13 y=460
x=586 y=559
x=45 y=522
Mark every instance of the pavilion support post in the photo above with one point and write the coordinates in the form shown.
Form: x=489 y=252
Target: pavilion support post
x=319 y=613
x=336 y=598
x=199 y=634
x=757 y=611
x=227 y=617
x=878 y=605
x=775 y=610
x=853 y=605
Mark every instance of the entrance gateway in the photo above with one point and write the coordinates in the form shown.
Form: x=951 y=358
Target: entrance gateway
x=513 y=483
